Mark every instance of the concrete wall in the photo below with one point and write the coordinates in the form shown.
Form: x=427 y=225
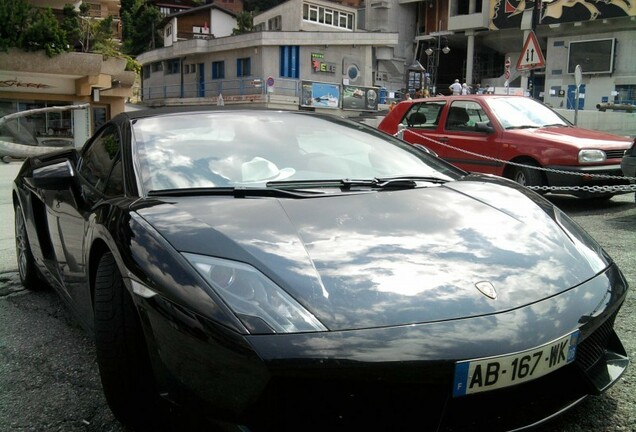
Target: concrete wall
x=619 y=123
x=597 y=86
x=222 y=24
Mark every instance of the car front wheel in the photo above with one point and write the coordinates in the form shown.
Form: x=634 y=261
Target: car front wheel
x=527 y=176
x=122 y=355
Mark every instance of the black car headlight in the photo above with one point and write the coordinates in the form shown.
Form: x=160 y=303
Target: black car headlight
x=259 y=303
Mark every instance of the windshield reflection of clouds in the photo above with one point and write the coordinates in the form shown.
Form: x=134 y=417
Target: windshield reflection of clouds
x=227 y=149
x=513 y=112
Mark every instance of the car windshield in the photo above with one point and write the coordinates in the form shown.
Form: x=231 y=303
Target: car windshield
x=522 y=112
x=260 y=148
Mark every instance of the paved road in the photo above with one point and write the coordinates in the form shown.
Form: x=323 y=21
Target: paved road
x=48 y=374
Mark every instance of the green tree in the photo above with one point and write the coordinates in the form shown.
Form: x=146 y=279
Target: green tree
x=71 y=25
x=260 y=5
x=143 y=30
x=44 y=33
x=244 y=23
x=15 y=17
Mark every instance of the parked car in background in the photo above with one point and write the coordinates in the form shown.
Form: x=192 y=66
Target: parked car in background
x=294 y=271
x=483 y=133
x=628 y=164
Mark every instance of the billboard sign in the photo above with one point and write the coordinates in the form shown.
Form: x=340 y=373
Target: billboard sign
x=359 y=98
x=320 y=95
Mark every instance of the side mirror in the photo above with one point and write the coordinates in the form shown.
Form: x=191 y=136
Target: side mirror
x=484 y=127
x=54 y=176
x=400 y=130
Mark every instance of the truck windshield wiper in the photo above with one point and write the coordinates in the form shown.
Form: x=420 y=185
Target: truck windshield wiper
x=236 y=192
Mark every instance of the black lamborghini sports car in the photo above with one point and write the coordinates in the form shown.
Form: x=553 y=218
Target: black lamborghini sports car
x=270 y=270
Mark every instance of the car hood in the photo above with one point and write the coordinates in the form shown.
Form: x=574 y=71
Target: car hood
x=374 y=259
x=575 y=136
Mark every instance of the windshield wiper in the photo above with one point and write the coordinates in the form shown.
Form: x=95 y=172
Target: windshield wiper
x=236 y=192
x=556 y=124
x=523 y=127
x=402 y=182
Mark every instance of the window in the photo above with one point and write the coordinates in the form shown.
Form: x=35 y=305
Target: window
x=98 y=158
x=172 y=66
x=243 y=67
x=328 y=16
x=115 y=185
x=157 y=66
x=626 y=94
x=424 y=115
x=313 y=13
x=289 y=61
x=462 y=7
x=218 y=70
x=145 y=71
x=275 y=24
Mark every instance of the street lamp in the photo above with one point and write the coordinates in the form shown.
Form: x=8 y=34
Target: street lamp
x=433 y=61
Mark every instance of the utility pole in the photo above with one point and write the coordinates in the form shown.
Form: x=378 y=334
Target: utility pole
x=536 y=13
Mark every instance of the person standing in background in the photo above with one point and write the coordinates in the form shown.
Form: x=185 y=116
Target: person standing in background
x=465 y=89
x=455 y=88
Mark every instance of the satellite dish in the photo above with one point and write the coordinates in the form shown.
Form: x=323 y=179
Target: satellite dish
x=578 y=75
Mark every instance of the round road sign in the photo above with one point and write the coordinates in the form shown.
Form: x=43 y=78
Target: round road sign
x=270 y=81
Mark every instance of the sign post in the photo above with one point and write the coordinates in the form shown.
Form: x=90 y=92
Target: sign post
x=507 y=74
x=531 y=56
x=578 y=77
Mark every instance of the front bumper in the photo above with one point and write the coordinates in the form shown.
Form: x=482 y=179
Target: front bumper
x=585 y=176
x=392 y=378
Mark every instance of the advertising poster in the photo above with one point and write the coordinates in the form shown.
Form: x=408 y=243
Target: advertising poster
x=320 y=95
x=359 y=98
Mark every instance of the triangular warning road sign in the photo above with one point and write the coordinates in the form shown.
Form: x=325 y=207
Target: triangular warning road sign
x=531 y=56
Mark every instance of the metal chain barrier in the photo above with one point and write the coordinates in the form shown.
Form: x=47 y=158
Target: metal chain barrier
x=593 y=189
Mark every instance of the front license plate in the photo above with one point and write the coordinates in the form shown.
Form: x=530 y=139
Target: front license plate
x=479 y=375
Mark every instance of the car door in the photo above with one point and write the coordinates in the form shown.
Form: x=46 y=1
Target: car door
x=99 y=179
x=471 y=137
x=422 y=122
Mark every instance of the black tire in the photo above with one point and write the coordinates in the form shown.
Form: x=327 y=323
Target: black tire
x=122 y=355
x=29 y=275
x=527 y=176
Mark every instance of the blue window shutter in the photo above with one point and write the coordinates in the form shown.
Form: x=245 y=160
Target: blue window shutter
x=295 y=62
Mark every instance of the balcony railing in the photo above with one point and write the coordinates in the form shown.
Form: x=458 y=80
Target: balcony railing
x=231 y=89
x=191 y=35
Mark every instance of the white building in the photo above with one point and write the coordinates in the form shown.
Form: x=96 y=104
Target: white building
x=295 y=45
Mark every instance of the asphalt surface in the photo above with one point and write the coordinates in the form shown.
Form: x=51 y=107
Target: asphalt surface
x=48 y=373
